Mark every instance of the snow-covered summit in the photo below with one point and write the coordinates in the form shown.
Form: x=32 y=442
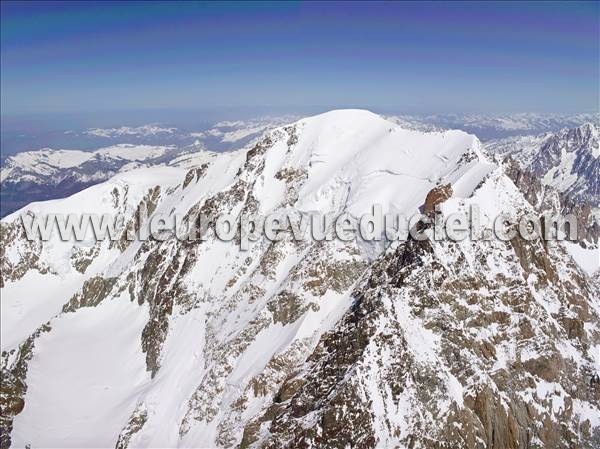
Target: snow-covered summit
x=357 y=158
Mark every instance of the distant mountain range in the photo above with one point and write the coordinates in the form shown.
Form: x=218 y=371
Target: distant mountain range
x=567 y=160
x=56 y=173
x=18 y=136
x=488 y=127
x=46 y=174
x=220 y=136
x=49 y=173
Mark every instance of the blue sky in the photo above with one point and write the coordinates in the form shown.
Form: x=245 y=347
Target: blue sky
x=406 y=57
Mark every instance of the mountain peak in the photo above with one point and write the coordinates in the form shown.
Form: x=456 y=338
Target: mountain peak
x=289 y=343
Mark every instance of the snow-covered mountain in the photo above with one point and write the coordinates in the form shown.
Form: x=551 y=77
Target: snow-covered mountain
x=300 y=344
x=568 y=161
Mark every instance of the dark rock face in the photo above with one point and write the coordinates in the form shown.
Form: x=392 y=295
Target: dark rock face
x=545 y=199
x=436 y=196
x=582 y=142
x=14 y=270
x=528 y=183
x=326 y=403
x=14 y=385
x=135 y=424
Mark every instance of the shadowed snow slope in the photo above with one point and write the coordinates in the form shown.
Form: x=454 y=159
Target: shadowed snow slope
x=299 y=343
